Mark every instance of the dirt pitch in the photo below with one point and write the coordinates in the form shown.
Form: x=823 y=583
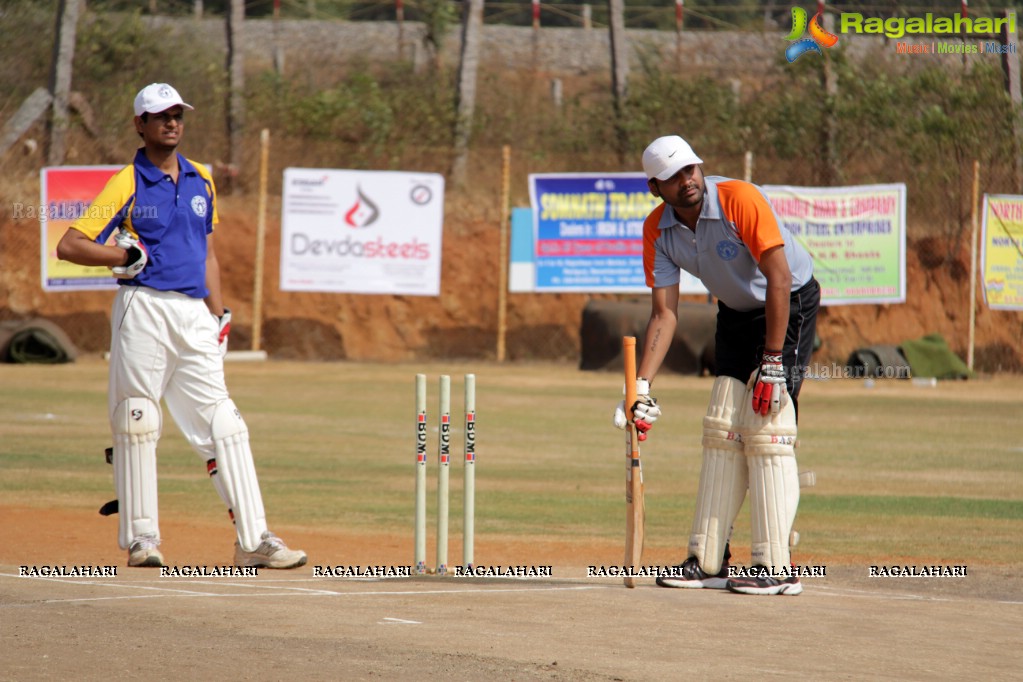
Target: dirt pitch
x=294 y=625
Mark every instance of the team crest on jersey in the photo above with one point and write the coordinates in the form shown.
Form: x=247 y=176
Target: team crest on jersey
x=727 y=250
x=199 y=206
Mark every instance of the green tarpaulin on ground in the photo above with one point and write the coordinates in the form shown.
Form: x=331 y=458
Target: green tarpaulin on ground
x=930 y=356
x=927 y=357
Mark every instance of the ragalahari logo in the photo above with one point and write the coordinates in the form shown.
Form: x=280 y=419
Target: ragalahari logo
x=818 y=36
x=363 y=212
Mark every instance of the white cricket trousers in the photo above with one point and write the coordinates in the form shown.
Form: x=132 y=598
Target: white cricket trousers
x=164 y=345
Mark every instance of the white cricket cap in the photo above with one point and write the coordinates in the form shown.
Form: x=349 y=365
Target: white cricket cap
x=157 y=97
x=668 y=155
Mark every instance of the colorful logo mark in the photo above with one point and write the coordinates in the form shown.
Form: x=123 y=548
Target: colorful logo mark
x=363 y=212
x=818 y=36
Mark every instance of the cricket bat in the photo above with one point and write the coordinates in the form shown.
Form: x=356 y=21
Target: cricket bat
x=635 y=512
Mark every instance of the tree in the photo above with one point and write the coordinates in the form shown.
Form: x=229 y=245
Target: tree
x=472 y=22
x=235 y=86
x=619 y=73
x=60 y=77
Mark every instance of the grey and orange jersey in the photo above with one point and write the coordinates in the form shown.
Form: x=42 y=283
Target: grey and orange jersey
x=736 y=225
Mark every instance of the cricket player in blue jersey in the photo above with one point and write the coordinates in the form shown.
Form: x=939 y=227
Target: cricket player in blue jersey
x=169 y=330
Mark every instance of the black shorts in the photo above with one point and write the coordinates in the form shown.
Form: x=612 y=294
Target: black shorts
x=739 y=339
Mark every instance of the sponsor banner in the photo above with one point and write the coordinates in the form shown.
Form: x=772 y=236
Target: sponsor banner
x=588 y=232
x=521 y=266
x=361 y=232
x=1002 y=252
x=66 y=193
x=856 y=236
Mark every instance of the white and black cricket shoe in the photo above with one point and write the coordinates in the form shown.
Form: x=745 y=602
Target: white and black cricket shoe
x=758 y=580
x=689 y=575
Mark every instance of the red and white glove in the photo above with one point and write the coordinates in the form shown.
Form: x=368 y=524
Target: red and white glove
x=770 y=384
x=223 y=331
x=137 y=255
x=644 y=411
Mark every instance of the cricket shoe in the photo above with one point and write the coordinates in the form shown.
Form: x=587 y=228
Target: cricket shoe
x=271 y=553
x=688 y=574
x=143 y=552
x=763 y=582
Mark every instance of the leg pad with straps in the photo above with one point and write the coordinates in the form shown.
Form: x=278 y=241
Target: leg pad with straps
x=723 y=476
x=234 y=474
x=136 y=426
x=773 y=481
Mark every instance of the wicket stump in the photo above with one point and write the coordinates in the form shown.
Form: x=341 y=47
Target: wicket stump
x=443 y=474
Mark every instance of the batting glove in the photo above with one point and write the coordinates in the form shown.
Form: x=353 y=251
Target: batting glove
x=644 y=411
x=769 y=385
x=138 y=256
x=223 y=331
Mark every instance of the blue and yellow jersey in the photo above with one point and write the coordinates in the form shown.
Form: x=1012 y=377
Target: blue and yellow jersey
x=736 y=226
x=171 y=220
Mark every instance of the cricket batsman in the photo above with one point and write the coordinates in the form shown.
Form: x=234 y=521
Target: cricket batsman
x=726 y=233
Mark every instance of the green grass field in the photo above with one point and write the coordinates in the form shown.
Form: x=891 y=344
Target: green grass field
x=904 y=473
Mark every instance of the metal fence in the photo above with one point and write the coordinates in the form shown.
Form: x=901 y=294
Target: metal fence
x=664 y=15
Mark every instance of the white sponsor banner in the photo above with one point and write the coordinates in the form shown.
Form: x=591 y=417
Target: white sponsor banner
x=361 y=232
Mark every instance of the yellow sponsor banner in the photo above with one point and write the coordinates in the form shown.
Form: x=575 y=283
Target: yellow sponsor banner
x=1002 y=251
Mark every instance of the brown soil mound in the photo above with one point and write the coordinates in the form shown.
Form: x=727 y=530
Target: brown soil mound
x=462 y=322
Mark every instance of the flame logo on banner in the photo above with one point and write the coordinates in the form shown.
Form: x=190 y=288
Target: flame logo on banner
x=363 y=213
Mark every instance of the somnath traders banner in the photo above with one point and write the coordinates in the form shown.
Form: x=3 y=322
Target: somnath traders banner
x=588 y=232
x=1002 y=251
x=856 y=235
x=66 y=194
x=361 y=232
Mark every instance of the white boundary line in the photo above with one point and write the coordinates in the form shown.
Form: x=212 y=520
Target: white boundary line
x=322 y=593
x=868 y=594
x=279 y=590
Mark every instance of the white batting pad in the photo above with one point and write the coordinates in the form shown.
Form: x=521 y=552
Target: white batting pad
x=770 y=435
x=136 y=427
x=773 y=481
x=237 y=473
x=774 y=497
x=723 y=477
